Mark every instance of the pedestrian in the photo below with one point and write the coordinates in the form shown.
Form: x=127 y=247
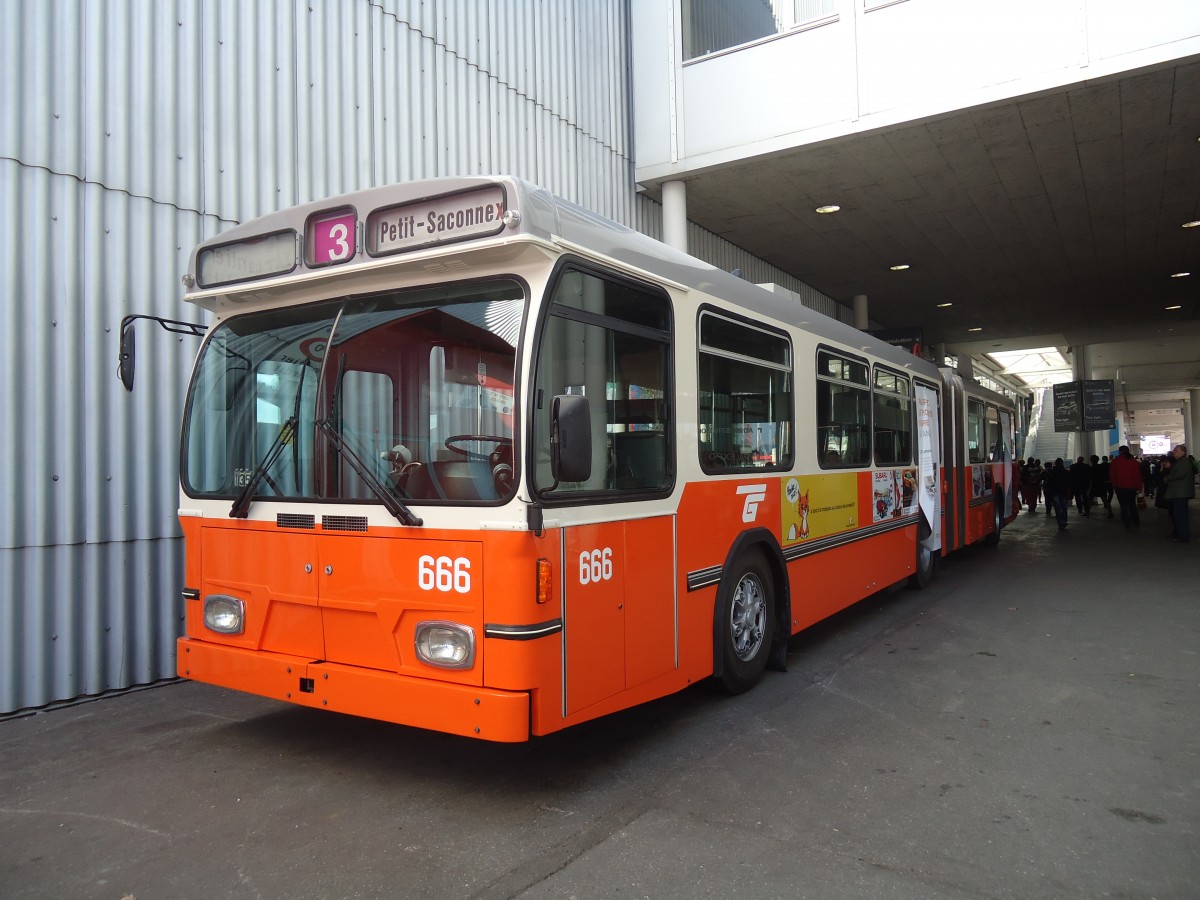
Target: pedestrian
x=1126 y=477
x=1058 y=486
x=1162 y=468
x=1101 y=485
x=1030 y=476
x=1180 y=484
x=1047 y=496
x=1017 y=466
x=1081 y=486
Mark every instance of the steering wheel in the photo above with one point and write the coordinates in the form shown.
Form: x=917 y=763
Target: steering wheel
x=500 y=459
x=500 y=442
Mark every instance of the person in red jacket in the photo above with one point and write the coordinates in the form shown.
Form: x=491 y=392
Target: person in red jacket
x=1126 y=477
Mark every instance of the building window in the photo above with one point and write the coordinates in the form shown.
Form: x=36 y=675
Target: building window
x=710 y=26
x=745 y=393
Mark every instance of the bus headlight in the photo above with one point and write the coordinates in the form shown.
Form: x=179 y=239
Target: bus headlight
x=446 y=644
x=225 y=614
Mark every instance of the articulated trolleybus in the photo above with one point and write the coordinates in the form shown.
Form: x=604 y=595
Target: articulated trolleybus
x=462 y=455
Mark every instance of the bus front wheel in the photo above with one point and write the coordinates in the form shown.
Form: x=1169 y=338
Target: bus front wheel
x=747 y=624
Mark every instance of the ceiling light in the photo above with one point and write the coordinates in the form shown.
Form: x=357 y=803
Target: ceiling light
x=944 y=305
x=900 y=267
x=1176 y=306
x=827 y=209
x=1181 y=274
x=1195 y=223
x=974 y=329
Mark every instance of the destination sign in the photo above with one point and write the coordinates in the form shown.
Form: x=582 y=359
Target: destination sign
x=271 y=254
x=440 y=220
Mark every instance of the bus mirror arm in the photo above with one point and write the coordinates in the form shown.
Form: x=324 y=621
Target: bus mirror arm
x=570 y=438
x=534 y=518
x=127 y=358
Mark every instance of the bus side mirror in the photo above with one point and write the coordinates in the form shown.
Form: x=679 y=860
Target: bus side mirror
x=126 y=360
x=125 y=366
x=570 y=438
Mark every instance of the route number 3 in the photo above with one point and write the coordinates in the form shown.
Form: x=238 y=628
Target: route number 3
x=333 y=238
x=444 y=574
x=595 y=565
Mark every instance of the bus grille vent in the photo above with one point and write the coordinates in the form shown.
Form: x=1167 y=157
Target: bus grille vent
x=295 y=520
x=344 y=523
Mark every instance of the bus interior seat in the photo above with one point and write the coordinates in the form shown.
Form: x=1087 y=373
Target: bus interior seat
x=641 y=458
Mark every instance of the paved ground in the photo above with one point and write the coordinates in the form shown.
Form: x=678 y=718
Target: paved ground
x=1029 y=727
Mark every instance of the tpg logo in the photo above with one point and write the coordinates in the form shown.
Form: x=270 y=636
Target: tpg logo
x=755 y=494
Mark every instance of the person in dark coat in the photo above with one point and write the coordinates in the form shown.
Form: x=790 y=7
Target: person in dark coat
x=1046 y=494
x=1081 y=486
x=1101 y=486
x=1030 y=478
x=1058 y=486
x=1180 y=482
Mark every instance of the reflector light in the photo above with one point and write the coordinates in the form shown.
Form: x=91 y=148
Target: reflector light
x=545 y=586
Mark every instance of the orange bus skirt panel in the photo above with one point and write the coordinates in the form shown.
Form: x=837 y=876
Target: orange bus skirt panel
x=454 y=708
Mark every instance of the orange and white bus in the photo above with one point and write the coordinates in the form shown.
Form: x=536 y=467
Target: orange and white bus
x=462 y=455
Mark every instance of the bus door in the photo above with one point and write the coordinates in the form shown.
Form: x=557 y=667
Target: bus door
x=956 y=470
x=929 y=459
x=1005 y=454
x=619 y=608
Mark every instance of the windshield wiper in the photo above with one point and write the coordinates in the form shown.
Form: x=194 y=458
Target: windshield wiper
x=402 y=513
x=241 y=506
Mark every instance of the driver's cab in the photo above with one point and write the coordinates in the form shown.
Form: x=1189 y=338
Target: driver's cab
x=428 y=400
x=466 y=468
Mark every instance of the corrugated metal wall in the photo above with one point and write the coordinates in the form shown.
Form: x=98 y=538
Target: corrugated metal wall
x=132 y=129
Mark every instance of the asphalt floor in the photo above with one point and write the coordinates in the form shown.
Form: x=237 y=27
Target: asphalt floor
x=1026 y=727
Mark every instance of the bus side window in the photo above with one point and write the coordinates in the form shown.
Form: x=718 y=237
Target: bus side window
x=995 y=442
x=745 y=393
x=893 y=419
x=609 y=341
x=977 y=449
x=843 y=411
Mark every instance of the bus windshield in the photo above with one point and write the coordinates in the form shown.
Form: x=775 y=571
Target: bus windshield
x=409 y=391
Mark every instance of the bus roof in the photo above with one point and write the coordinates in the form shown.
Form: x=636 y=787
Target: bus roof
x=440 y=215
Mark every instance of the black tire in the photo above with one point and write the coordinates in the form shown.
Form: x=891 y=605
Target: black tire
x=997 y=523
x=926 y=568
x=746 y=623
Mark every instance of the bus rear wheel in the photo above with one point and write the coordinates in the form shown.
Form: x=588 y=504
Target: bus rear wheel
x=926 y=568
x=747 y=624
x=997 y=523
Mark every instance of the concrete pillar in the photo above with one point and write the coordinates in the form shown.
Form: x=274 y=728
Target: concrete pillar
x=1081 y=371
x=861 y=317
x=1191 y=421
x=674 y=195
x=966 y=368
x=939 y=353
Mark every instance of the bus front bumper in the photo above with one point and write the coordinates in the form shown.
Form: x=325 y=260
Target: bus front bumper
x=452 y=708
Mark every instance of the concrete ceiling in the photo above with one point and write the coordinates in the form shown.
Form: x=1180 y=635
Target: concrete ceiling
x=1048 y=220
